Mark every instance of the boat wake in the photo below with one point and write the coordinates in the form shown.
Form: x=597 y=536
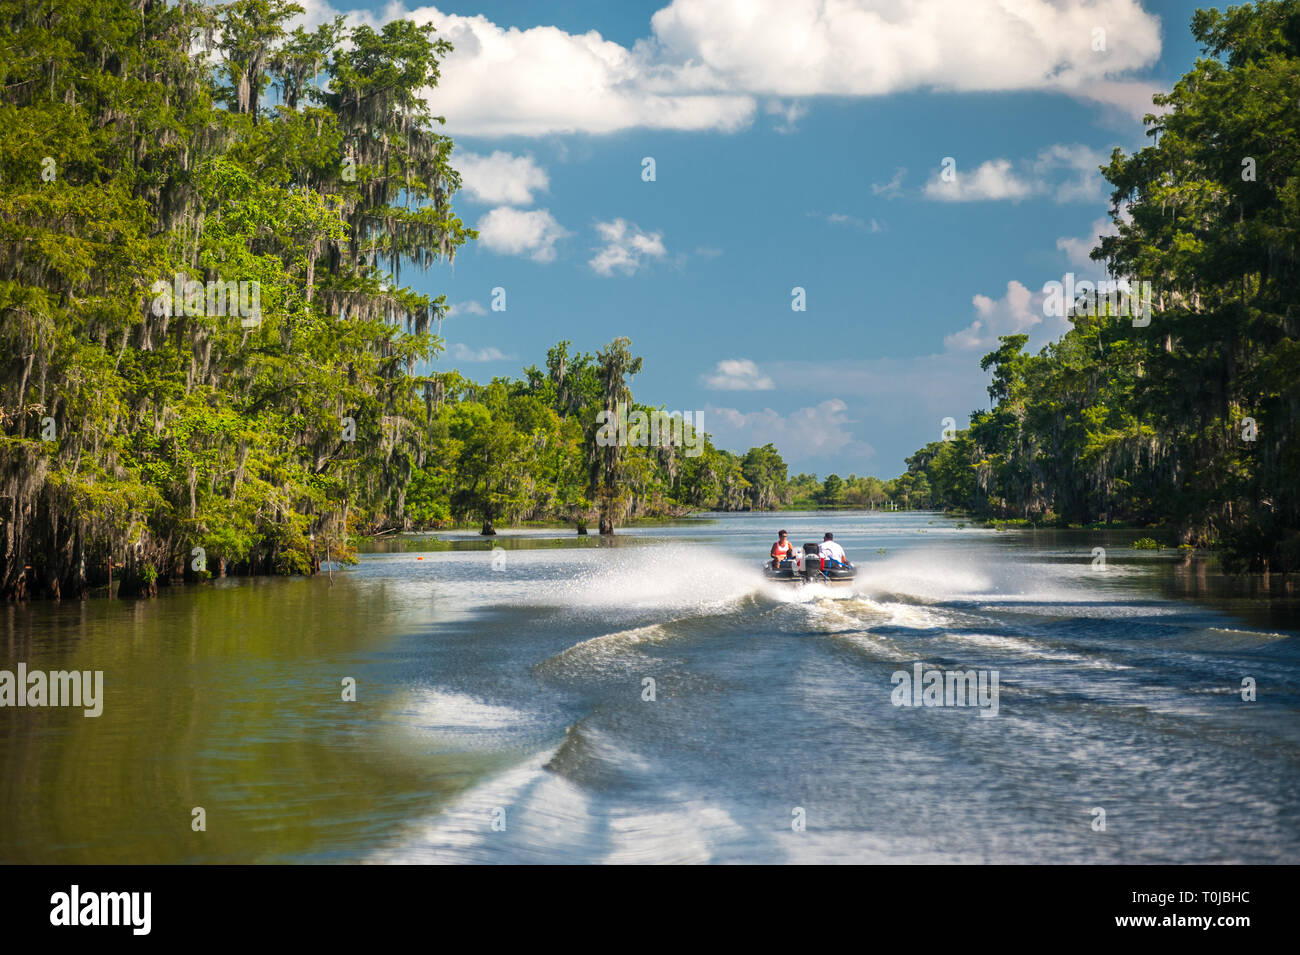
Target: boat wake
x=655 y=705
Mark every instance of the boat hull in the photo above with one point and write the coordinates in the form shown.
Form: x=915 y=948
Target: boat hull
x=789 y=575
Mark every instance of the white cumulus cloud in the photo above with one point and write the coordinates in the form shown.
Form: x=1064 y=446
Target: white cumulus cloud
x=706 y=63
x=1078 y=250
x=510 y=82
x=738 y=374
x=1017 y=311
x=876 y=47
x=465 y=308
x=994 y=179
x=1060 y=172
x=501 y=178
x=626 y=247
x=530 y=232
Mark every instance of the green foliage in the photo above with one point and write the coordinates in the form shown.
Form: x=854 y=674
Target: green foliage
x=179 y=423
x=141 y=185
x=1147 y=424
x=765 y=472
x=526 y=451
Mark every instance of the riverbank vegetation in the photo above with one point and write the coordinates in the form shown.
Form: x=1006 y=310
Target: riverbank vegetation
x=150 y=435
x=208 y=361
x=1189 y=421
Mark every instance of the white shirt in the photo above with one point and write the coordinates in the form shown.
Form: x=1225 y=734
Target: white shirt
x=830 y=549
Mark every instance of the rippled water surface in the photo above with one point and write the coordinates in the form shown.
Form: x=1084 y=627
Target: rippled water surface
x=501 y=712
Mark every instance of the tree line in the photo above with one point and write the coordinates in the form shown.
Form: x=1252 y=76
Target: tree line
x=161 y=424
x=1187 y=418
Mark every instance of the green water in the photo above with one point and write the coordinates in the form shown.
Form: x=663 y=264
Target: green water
x=227 y=698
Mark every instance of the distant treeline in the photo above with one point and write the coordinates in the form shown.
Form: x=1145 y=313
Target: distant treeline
x=1189 y=421
x=532 y=449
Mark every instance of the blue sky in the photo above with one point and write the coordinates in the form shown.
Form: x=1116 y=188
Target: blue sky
x=796 y=144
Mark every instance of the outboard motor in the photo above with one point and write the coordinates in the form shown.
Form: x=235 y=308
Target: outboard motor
x=812 y=561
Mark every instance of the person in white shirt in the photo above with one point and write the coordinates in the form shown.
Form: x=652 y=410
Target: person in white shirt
x=833 y=551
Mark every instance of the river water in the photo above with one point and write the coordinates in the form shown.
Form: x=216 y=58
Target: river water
x=502 y=709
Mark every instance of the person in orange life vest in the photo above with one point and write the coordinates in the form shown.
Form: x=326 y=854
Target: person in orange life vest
x=782 y=551
x=833 y=553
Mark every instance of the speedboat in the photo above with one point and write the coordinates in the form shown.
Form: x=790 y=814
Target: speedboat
x=809 y=567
